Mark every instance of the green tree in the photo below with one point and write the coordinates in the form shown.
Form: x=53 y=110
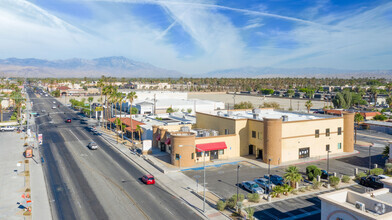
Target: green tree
x=308 y=105
x=292 y=174
x=385 y=152
x=312 y=171
x=170 y=110
x=380 y=117
x=389 y=101
x=140 y=131
x=357 y=118
x=131 y=97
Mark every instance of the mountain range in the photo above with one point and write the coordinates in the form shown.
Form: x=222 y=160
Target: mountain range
x=124 y=67
x=76 y=67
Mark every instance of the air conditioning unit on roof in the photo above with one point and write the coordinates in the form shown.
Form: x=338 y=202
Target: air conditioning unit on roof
x=360 y=206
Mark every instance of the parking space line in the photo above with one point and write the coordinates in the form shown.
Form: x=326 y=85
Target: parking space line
x=269 y=214
x=303 y=215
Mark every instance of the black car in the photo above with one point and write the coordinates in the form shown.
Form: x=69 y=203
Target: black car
x=372 y=181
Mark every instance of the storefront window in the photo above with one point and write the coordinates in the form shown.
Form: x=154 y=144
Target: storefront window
x=221 y=152
x=198 y=154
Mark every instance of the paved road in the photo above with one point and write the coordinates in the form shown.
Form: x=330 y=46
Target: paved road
x=99 y=184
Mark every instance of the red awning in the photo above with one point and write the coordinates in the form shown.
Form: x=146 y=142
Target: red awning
x=158 y=138
x=211 y=146
x=168 y=141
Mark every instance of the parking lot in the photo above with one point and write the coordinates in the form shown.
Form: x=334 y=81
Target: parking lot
x=222 y=180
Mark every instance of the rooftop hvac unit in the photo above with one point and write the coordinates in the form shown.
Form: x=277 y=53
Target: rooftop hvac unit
x=185 y=129
x=360 y=206
x=230 y=113
x=214 y=133
x=285 y=117
x=206 y=133
x=256 y=111
x=255 y=116
x=220 y=113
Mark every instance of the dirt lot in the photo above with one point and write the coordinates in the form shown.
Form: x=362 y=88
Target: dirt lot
x=297 y=104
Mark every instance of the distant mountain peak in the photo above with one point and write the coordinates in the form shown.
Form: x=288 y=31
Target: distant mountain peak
x=117 y=66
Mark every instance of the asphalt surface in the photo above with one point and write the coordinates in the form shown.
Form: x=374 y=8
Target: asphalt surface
x=99 y=184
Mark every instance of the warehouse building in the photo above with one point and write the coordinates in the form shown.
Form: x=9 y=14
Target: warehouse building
x=259 y=133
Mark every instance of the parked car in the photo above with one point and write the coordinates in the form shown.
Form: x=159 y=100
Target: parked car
x=264 y=183
x=54 y=102
x=324 y=174
x=68 y=120
x=53 y=107
x=7 y=128
x=252 y=187
x=372 y=181
x=92 y=146
x=148 y=179
x=275 y=179
x=383 y=177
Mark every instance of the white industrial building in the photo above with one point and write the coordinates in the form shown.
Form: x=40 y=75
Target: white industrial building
x=157 y=102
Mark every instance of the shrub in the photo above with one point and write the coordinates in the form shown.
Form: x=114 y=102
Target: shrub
x=345 y=179
x=312 y=171
x=310 y=187
x=233 y=200
x=316 y=184
x=221 y=205
x=302 y=189
x=376 y=171
x=388 y=168
x=360 y=175
x=253 y=197
x=294 y=191
x=250 y=212
x=334 y=181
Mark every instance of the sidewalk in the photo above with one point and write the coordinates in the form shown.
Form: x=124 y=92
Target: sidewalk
x=39 y=195
x=175 y=182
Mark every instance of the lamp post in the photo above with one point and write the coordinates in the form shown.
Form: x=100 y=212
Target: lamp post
x=269 y=179
x=238 y=170
x=328 y=151
x=370 y=157
x=204 y=173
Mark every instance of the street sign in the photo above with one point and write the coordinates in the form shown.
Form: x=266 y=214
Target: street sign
x=98 y=109
x=40 y=139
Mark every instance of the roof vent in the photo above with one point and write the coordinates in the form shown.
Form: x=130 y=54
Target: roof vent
x=285 y=117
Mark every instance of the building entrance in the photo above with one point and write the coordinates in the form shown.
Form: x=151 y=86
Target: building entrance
x=260 y=155
x=213 y=155
x=304 y=152
x=250 y=149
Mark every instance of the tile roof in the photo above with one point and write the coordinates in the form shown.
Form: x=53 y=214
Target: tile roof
x=127 y=122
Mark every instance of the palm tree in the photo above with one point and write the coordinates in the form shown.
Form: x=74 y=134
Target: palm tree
x=101 y=84
x=90 y=100
x=357 y=118
x=291 y=93
x=374 y=91
x=292 y=174
x=308 y=105
x=118 y=124
x=131 y=97
x=389 y=101
x=112 y=100
x=119 y=100
x=106 y=93
x=1 y=108
x=139 y=131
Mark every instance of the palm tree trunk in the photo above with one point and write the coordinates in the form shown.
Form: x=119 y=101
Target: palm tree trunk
x=355 y=136
x=130 y=115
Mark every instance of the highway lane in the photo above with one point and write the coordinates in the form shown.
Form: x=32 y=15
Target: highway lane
x=104 y=167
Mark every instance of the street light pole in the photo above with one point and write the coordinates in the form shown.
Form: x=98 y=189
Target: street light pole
x=269 y=178
x=370 y=157
x=238 y=170
x=328 y=166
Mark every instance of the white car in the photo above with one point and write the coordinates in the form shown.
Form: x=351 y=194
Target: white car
x=7 y=128
x=92 y=146
x=54 y=102
x=46 y=94
x=54 y=107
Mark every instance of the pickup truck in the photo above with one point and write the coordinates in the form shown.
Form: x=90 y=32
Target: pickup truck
x=372 y=181
x=7 y=128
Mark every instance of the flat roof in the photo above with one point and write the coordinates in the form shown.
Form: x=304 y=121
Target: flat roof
x=379 y=123
x=259 y=114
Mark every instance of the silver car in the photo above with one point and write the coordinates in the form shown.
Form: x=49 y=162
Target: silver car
x=252 y=187
x=92 y=146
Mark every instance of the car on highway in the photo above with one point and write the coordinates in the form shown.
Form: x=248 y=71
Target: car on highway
x=46 y=94
x=54 y=102
x=68 y=120
x=92 y=146
x=275 y=179
x=264 y=183
x=252 y=187
x=148 y=179
x=54 y=107
x=7 y=128
x=372 y=181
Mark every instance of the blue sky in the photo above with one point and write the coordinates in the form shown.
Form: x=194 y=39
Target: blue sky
x=199 y=36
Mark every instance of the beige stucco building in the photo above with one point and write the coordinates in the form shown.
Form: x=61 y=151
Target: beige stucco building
x=260 y=133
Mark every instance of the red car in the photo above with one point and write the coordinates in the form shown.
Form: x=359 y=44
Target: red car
x=148 y=179
x=68 y=120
